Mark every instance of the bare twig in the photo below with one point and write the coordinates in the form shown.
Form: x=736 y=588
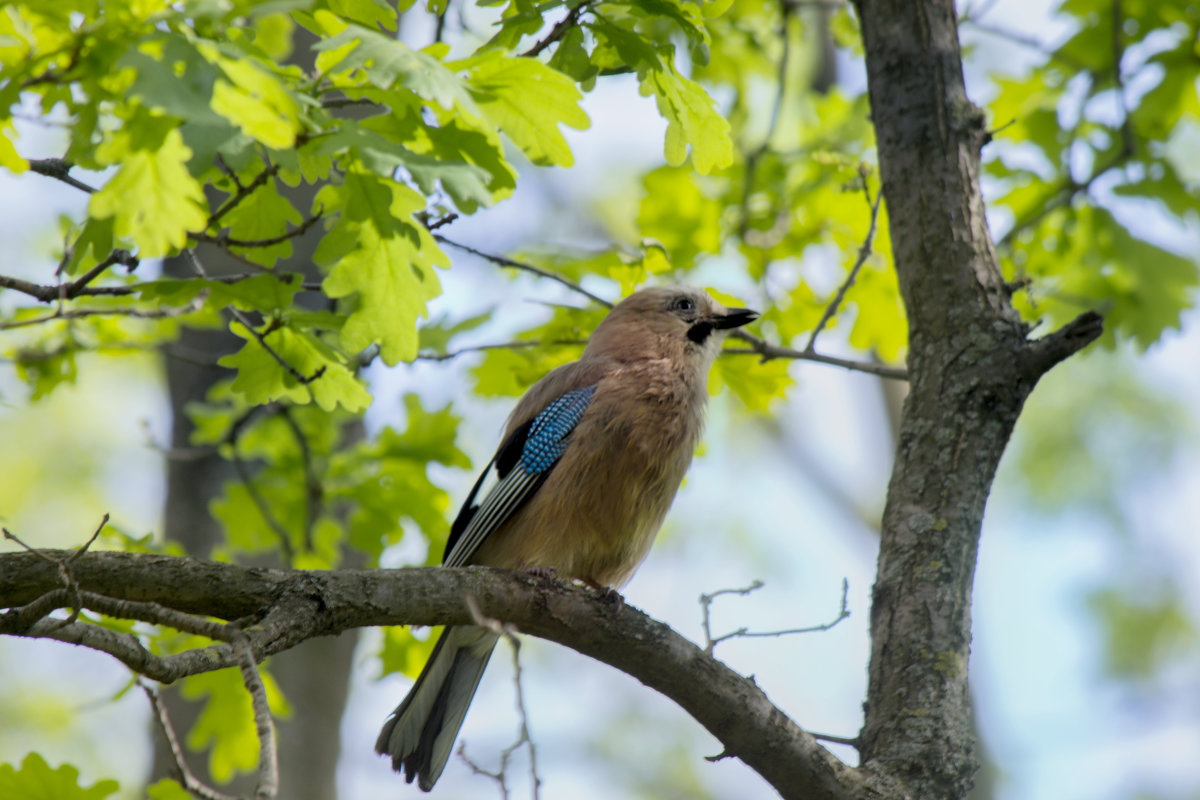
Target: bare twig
x=508 y=632
x=768 y=351
x=186 y=777
x=505 y=261
x=852 y=741
x=268 y=757
x=706 y=604
x=864 y=252
x=517 y=345
x=64 y=569
x=711 y=642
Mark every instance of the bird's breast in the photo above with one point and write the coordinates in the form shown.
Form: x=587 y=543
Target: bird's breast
x=602 y=504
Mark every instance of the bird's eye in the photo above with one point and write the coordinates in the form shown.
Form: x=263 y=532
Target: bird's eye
x=684 y=304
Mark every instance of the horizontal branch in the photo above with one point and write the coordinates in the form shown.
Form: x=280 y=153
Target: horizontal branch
x=290 y=606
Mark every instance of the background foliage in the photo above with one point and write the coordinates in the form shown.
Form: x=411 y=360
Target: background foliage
x=189 y=125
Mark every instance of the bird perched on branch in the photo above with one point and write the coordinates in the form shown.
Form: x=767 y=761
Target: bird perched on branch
x=591 y=459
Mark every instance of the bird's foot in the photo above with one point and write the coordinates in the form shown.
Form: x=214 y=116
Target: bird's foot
x=545 y=573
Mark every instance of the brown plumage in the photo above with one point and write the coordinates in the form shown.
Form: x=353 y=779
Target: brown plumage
x=621 y=446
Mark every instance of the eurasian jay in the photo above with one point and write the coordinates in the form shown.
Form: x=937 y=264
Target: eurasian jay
x=591 y=459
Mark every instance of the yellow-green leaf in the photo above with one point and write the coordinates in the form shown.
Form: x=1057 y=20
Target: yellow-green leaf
x=153 y=199
x=528 y=100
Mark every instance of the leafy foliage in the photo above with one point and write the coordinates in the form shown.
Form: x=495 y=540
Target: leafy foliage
x=204 y=119
x=35 y=780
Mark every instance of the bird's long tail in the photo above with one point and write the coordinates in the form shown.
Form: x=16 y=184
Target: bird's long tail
x=420 y=733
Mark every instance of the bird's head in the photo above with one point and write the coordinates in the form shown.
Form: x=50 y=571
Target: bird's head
x=668 y=321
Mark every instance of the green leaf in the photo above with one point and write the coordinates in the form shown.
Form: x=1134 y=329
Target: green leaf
x=528 y=100
x=679 y=215
x=386 y=480
x=10 y=159
x=270 y=293
x=755 y=383
x=383 y=259
x=263 y=214
x=377 y=142
x=35 y=780
x=153 y=199
x=167 y=789
x=262 y=379
x=386 y=61
x=692 y=121
x=227 y=722
x=256 y=102
x=405 y=653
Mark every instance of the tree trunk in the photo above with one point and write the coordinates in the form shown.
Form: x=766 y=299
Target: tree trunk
x=971 y=368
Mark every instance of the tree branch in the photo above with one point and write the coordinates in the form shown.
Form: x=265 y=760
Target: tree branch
x=761 y=347
x=290 y=606
x=525 y=266
x=59 y=169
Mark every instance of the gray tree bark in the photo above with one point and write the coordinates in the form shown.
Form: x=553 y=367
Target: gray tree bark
x=971 y=367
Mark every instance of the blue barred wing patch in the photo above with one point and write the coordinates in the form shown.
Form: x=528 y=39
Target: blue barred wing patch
x=548 y=434
x=511 y=480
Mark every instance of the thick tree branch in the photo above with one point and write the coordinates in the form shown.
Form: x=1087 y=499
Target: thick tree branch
x=291 y=606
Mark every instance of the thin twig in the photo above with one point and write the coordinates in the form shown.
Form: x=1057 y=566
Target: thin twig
x=706 y=605
x=260 y=502
x=853 y=741
x=190 y=782
x=264 y=726
x=161 y=313
x=248 y=244
x=508 y=632
x=706 y=600
x=248 y=324
x=64 y=568
x=1070 y=188
x=505 y=261
x=864 y=252
x=559 y=30
x=58 y=168
x=517 y=345
x=242 y=193
x=312 y=487
x=768 y=351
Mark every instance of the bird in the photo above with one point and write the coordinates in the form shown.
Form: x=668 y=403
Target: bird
x=590 y=461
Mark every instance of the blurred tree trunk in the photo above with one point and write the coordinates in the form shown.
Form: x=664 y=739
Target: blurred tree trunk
x=314 y=676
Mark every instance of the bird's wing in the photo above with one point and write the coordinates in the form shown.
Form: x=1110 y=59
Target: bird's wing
x=519 y=467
